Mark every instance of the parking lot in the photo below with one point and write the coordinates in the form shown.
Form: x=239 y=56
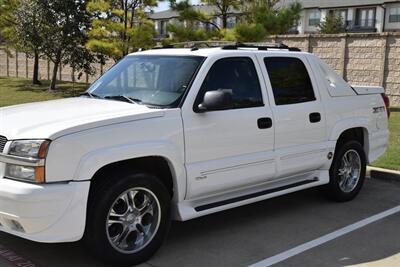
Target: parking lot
x=253 y=234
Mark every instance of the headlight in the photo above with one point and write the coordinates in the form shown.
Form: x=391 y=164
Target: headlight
x=32 y=150
x=29 y=148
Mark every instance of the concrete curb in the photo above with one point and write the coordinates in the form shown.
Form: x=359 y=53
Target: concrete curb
x=383 y=174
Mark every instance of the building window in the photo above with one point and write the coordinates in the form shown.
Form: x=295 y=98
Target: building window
x=394 y=15
x=163 y=27
x=231 y=22
x=366 y=17
x=315 y=18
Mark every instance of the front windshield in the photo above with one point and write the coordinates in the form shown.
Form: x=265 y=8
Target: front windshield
x=150 y=80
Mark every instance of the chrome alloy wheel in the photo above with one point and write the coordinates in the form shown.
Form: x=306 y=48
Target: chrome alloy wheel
x=133 y=220
x=350 y=171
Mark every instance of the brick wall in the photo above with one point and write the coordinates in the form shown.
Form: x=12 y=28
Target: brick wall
x=362 y=59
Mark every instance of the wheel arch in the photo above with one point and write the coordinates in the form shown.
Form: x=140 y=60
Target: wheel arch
x=359 y=134
x=161 y=160
x=156 y=165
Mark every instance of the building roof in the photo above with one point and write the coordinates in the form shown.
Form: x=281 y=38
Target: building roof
x=339 y=3
x=169 y=14
x=166 y=14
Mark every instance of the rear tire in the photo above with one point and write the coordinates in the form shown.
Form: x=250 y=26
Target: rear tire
x=128 y=219
x=347 y=172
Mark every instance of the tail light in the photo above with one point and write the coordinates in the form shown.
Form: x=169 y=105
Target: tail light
x=387 y=103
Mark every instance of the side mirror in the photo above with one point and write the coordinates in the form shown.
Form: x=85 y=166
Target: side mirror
x=216 y=100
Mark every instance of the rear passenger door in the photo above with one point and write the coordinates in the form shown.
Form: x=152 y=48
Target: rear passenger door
x=300 y=125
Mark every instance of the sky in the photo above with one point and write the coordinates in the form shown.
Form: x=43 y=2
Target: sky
x=165 y=5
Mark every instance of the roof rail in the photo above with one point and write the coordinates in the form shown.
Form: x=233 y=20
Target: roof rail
x=226 y=45
x=263 y=47
x=195 y=44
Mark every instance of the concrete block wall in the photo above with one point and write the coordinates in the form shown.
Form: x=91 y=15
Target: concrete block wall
x=364 y=59
x=392 y=69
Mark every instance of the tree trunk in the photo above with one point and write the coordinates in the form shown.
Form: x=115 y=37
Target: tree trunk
x=224 y=21
x=35 y=78
x=126 y=44
x=54 y=76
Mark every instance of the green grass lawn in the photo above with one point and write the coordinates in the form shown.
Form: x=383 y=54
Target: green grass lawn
x=18 y=90
x=391 y=160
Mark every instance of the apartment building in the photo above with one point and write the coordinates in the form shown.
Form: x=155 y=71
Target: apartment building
x=357 y=15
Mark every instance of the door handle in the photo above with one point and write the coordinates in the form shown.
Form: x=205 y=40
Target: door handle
x=264 y=123
x=315 y=117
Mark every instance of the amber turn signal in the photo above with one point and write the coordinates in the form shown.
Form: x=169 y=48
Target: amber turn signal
x=44 y=147
x=39 y=174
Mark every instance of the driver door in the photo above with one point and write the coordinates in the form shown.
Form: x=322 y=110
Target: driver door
x=230 y=148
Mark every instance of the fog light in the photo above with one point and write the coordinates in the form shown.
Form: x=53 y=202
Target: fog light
x=20 y=172
x=26 y=173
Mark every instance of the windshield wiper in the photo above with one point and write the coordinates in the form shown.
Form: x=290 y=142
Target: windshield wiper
x=91 y=95
x=124 y=98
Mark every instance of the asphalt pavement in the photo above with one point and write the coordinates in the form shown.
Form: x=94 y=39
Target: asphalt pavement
x=256 y=233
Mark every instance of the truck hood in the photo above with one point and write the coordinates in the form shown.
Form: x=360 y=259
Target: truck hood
x=52 y=119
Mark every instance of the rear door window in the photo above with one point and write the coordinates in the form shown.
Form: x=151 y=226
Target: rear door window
x=290 y=81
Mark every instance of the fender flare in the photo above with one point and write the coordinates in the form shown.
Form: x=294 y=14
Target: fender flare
x=349 y=123
x=93 y=161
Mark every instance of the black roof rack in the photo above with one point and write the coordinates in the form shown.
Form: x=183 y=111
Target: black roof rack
x=194 y=44
x=226 y=45
x=263 y=47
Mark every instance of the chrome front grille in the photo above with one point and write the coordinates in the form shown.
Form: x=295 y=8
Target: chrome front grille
x=3 y=141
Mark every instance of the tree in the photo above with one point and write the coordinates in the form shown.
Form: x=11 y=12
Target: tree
x=191 y=16
x=332 y=24
x=222 y=9
x=273 y=15
x=7 y=20
x=249 y=32
x=184 y=33
x=64 y=24
x=120 y=27
x=27 y=32
x=20 y=22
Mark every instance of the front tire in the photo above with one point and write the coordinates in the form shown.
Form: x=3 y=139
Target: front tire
x=128 y=219
x=347 y=173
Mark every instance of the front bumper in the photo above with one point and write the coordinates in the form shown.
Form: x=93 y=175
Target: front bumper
x=43 y=212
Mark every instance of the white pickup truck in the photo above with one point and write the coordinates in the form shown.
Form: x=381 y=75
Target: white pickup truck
x=178 y=133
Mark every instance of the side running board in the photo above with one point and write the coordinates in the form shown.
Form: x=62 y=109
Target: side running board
x=253 y=195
